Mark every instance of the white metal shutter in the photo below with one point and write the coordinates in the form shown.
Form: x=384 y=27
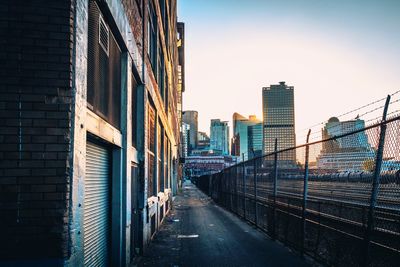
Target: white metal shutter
x=97 y=209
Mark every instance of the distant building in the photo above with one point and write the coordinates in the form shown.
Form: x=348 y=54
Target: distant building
x=349 y=153
x=240 y=139
x=255 y=139
x=219 y=137
x=207 y=164
x=191 y=117
x=203 y=141
x=185 y=132
x=206 y=152
x=278 y=120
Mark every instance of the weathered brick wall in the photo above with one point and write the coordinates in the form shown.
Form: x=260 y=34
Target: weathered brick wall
x=134 y=12
x=35 y=112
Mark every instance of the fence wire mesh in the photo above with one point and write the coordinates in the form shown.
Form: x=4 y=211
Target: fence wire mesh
x=326 y=210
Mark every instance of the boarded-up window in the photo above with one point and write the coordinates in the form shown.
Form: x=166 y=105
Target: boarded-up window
x=152 y=129
x=160 y=135
x=151 y=150
x=165 y=154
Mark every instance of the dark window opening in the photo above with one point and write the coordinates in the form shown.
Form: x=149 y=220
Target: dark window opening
x=134 y=110
x=153 y=224
x=152 y=37
x=161 y=213
x=161 y=72
x=140 y=6
x=166 y=95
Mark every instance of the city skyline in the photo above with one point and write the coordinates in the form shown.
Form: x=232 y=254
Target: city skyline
x=326 y=50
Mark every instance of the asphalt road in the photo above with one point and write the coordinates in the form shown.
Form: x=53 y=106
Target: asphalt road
x=199 y=233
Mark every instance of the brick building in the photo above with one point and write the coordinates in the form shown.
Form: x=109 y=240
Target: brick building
x=89 y=128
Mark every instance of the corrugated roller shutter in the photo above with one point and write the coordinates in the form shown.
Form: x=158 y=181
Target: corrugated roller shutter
x=97 y=209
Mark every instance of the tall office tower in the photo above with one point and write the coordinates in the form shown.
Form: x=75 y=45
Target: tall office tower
x=240 y=138
x=278 y=116
x=219 y=137
x=185 y=131
x=191 y=117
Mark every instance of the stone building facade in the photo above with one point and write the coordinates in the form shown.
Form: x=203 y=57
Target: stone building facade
x=89 y=129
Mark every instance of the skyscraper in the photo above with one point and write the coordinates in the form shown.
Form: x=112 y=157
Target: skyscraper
x=191 y=117
x=278 y=117
x=255 y=140
x=185 y=131
x=240 y=140
x=219 y=137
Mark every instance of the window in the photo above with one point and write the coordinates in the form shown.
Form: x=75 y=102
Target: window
x=139 y=5
x=166 y=103
x=165 y=159
x=152 y=37
x=134 y=110
x=159 y=155
x=161 y=72
x=151 y=135
x=104 y=69
x=164 y=19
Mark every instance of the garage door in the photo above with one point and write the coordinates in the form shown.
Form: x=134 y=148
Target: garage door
x=97 y=211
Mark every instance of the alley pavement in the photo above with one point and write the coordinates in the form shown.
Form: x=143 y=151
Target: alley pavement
x=197 y=232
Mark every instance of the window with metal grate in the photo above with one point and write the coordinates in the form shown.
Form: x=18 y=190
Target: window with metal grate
x=104 y=68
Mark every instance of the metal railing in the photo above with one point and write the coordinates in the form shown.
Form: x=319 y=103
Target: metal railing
x=338 y=201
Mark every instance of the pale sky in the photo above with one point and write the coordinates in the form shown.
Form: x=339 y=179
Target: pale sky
x=338 y=55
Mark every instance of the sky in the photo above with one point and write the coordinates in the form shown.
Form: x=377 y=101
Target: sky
x=338 y=55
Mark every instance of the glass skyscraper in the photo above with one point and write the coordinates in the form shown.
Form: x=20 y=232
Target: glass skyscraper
x=243 y=144
x=219 y=136
x=255 y=140
x=278 y=120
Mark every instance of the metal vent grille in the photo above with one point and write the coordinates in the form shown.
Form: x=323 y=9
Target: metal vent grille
x=104 y=35
x=104 y=68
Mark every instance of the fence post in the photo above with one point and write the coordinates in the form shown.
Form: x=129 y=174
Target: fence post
x=244 y=192
x=236 y=191
x=305 y=194
x=255 y=191
x=275 y=188
x=209 y=184
x=375 y=184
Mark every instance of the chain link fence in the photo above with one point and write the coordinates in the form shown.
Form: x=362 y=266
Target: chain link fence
x=339 y=202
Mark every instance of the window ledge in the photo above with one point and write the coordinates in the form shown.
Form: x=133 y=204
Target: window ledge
x=102 y=129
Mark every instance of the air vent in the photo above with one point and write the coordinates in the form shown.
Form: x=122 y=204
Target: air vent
x=104 y=35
